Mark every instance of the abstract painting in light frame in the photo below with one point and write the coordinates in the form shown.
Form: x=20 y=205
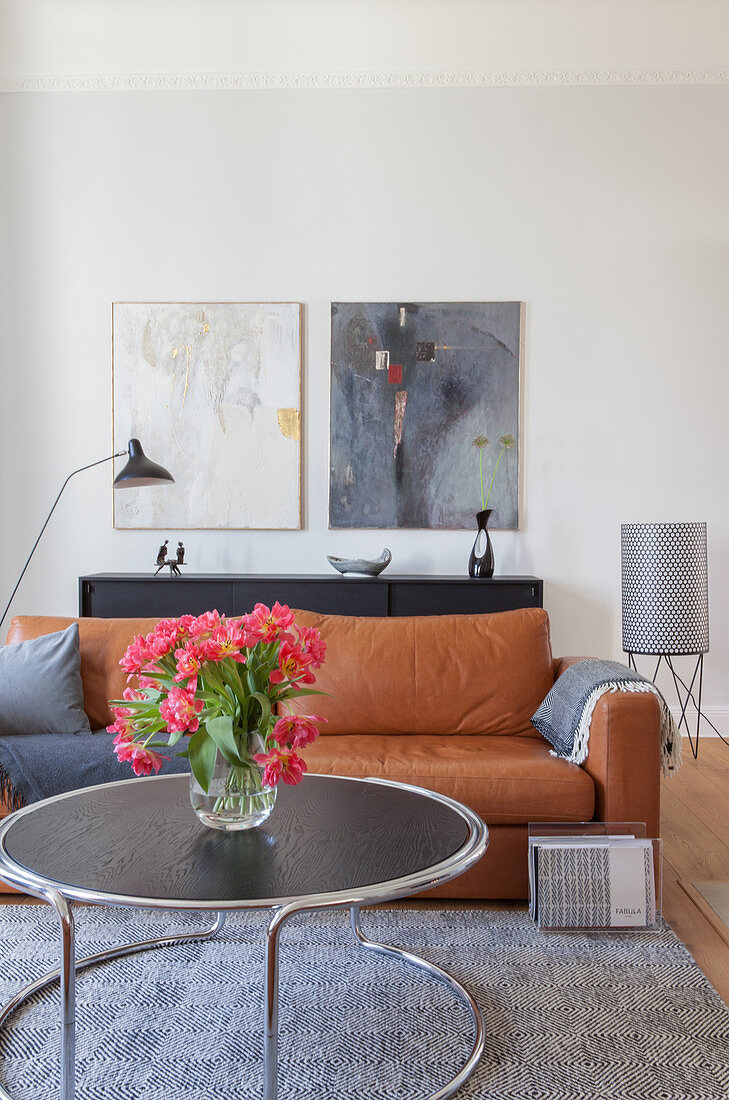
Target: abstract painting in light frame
x=412 y=386
x=213 y=391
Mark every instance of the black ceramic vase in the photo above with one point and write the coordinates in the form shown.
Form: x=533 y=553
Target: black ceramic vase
x=481 y=561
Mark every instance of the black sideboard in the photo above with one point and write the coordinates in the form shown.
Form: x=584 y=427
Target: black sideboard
x=131 y=595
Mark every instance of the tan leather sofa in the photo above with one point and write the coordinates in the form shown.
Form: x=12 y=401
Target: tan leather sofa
x=444 y=702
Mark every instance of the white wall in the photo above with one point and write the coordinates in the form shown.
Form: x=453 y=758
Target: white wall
x=74 y=37
x=604 y=209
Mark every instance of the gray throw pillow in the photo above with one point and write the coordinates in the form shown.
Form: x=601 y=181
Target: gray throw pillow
x=40 y=685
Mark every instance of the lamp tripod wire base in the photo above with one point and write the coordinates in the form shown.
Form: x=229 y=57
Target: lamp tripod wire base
x=688 y=697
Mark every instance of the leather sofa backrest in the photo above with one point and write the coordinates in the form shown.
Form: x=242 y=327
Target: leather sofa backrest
x=437 y=674
x=440 y=674
x=102 y=643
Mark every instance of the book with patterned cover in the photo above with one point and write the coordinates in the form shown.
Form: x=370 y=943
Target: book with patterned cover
x=593 y=884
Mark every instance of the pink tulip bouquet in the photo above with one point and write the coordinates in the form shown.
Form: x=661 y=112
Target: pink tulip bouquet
x=223 y=684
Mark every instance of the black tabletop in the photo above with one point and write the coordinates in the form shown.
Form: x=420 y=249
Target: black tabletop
x=140 y=839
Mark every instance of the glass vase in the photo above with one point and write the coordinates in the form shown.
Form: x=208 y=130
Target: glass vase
x=237 y=797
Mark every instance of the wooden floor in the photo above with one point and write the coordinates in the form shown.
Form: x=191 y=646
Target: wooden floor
x=695 y=849
x=695 y=833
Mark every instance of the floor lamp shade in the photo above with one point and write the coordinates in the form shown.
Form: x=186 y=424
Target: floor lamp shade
x=665 y=588
x=140 y=470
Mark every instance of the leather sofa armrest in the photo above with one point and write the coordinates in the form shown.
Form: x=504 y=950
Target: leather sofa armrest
x=559 y=664
x=624 y=755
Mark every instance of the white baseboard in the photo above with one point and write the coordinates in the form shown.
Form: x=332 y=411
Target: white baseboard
x=718 y=715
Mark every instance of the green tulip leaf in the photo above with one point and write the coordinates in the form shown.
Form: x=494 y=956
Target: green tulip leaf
x=265 y=704
x=221 y=731
x=254 y=684
x=202 y=752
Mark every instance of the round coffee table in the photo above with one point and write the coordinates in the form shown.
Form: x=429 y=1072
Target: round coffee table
x=330 y=842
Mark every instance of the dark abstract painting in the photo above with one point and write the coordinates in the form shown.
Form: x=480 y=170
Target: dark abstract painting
x=412 y=387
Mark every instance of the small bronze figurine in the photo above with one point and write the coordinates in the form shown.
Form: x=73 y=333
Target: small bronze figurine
x=172 y=563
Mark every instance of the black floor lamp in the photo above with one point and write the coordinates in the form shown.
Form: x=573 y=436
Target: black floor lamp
x=665 y=590
x=138 y=471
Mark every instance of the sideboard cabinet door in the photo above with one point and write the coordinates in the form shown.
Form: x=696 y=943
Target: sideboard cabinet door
x=462 y=598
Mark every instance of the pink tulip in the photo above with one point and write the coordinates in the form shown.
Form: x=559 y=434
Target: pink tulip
x=204 y=624
x=180 y=711
x=159 y=645
x=136 y=656
x=122 y=723
x=227 y=640
x=268 y=624
x=123 y=746
x=292 y=665
x=281 y=764
x=189 y=661
x=146 y=761
x=296 y=730
x=310 y=643
x=149 y=683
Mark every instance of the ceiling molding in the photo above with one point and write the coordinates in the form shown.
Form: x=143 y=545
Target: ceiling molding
x=256 y=81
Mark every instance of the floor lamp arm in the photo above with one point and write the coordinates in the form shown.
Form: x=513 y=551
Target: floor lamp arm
x=98 y=462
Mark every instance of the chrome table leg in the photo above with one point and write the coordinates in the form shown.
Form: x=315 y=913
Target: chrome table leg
x=270 y=1010
x=270 y=1016
x=68 y=994
x=69 y=968
x=67 y=971
x=442 y=975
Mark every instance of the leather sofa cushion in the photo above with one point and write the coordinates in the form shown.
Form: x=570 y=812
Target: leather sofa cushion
x=101 y=643
x=506 y=780
x=440 y=674
x=432 y=674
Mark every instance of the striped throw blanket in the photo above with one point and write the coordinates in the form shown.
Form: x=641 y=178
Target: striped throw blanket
x=564 y=717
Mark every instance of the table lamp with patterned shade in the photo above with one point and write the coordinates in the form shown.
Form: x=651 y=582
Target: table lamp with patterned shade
x=665 y=592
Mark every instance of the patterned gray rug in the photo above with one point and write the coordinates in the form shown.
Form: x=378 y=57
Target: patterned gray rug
x=567 y=1016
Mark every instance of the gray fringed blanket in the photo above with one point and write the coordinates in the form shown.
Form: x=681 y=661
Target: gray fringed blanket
x=565 y=715
x=37 y=765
